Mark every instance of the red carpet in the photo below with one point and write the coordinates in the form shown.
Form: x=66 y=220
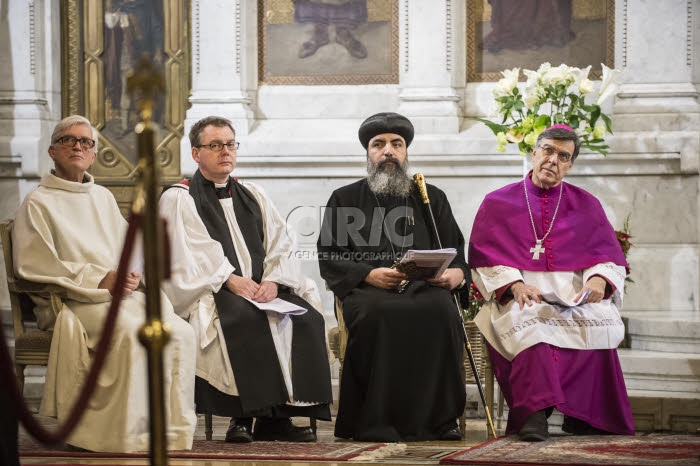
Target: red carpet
x=648 y=450
x=285 y=451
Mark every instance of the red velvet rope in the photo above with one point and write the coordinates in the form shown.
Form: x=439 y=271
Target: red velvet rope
x=18 y=404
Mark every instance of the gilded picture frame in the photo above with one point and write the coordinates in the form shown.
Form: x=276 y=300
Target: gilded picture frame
x=318 y=42
x=503 y=34
x=101 y=42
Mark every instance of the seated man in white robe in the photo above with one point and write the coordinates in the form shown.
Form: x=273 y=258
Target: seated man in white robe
x=69 y=232
x=231 y=255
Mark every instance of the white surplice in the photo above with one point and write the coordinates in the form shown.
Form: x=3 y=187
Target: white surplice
x=71 y=234
x=200 y=268
x=589 y=326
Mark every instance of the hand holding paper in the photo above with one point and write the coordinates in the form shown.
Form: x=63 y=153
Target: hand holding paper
x=280 y=306
x=553 y=298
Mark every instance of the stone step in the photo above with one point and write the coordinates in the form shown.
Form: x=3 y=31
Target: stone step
x=661 y=374
x=664 y=331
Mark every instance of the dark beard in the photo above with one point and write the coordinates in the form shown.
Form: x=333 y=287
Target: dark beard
x=389 y=178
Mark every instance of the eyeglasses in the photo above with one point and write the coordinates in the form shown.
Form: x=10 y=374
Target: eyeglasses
x=549 y=151
x=219 y=146
x=69 y=141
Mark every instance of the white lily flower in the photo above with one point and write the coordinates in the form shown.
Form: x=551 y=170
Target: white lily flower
x=584 y=85
x=606 y=87
x=532 y=77
x=510 y=80
x=544 y=67
x=530 y=98
x=555 y=76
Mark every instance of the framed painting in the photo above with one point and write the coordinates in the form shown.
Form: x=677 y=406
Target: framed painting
x=328 y=41
x=503 y=34
x=101 y=42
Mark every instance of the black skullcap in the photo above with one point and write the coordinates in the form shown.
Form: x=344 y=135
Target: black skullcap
x=385 y=122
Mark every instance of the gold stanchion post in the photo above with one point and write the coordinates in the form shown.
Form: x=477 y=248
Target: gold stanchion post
x=143 y=85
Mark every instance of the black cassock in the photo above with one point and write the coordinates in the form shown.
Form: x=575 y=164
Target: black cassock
x=401 y=377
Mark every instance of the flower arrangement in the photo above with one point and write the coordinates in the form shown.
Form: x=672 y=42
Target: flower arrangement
x=623 y=237
x=551 y=96
x=476 y=300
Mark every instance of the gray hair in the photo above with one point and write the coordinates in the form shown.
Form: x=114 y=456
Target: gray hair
x=197 y=128
x=561 y=134
x=69 y=122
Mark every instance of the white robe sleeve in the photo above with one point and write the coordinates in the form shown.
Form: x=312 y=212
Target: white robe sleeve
x=36 y=257
x=489 y=279
x=614 y=273
x=281 y=266
x=198 y=264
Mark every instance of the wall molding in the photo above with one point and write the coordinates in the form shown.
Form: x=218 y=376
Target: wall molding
x=624 y=33
x=32 y=37
x=448 y=35
x=195 y=37
x=690 y=29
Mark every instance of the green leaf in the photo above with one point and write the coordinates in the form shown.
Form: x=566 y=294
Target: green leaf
x=495 y=127
x=543 y=120
x=608 y=122
x=595 y=113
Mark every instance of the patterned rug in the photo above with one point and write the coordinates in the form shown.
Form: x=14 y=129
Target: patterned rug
x=202 y=449
x=648 y=450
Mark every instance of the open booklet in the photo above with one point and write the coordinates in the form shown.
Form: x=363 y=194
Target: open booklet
x=553 y=298
x=280 y=306
x=424 y=264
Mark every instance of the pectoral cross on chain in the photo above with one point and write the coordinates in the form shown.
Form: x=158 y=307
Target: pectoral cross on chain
x=536 y=250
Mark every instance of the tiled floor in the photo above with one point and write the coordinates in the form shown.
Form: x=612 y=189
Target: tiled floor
x=415 y=453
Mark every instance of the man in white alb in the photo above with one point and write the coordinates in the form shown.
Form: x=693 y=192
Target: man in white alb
x=69 y=232
x=231 y=255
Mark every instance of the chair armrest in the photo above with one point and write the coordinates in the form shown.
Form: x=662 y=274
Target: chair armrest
x=45 y=289
x=55 y=294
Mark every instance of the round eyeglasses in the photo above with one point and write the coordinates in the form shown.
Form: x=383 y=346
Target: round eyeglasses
x=219 y=146
x=69 y=141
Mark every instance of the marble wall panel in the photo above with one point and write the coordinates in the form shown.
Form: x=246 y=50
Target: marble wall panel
x=665 y=278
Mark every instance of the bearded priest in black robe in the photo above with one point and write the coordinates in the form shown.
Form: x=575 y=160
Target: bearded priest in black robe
x=401 y=378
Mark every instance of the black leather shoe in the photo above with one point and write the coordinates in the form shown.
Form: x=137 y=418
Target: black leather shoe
x=535 y=428
x=73 y=448
x=239 y=431
x=282 y=430
x=451 y=434
x=576 y=426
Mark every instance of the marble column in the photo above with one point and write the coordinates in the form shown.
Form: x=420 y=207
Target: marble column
x=221 y=68
x=432 y=64
x=29 y=100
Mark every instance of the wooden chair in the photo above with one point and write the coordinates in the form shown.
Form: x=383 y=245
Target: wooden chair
x=483 y=366
x=32 y=346
x=338 y=341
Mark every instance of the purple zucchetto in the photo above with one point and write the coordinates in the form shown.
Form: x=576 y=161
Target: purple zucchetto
x=385 y=122
x=561 y=126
